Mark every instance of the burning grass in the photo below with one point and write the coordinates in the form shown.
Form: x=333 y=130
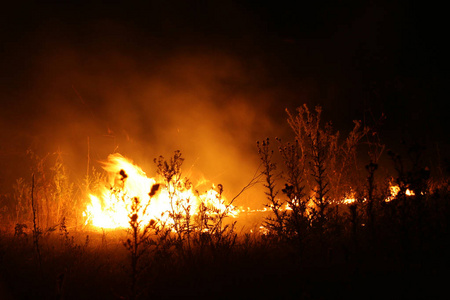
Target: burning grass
x=331 y=231
x=161 y=199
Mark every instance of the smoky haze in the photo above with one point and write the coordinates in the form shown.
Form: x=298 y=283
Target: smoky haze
x=208 y=79
x=94 y=99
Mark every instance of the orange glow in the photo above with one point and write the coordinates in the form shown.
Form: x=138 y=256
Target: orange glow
x=409 y=193
x=349 y=199
x=110 y=207
x=395 y=189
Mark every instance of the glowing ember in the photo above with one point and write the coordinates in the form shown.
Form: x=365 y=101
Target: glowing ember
x=111 y=208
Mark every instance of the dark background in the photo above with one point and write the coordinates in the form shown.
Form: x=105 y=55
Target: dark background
x=212 y=78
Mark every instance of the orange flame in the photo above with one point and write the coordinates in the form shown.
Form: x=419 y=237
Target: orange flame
x=395 y=189
x=112 y=206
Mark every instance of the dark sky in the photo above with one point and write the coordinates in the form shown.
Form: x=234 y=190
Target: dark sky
x=212 y=78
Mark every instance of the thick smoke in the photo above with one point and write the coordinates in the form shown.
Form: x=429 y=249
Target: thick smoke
x=94 y=99
x=209 y=80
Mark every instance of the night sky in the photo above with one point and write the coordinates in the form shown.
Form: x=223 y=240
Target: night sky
x=212 y=78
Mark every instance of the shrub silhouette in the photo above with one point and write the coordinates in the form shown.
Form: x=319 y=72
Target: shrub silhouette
x=317 y=246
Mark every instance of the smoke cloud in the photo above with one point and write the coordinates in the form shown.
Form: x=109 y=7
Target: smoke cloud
x=95 y=99
x=144 y=81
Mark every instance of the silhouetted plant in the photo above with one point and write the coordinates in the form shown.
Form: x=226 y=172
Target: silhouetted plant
x=269 y=167
x=206 y=227
x=170 y=171
x=409 y=205
x=296 y=218
x=137 y=244
x=326 y=162
x=67 y=241
x=319 y=148
x=209 y=228
x=411 y=231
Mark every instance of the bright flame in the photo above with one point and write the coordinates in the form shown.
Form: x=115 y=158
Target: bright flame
x=395 y=189
x=112 y=207
x=350 y=198
x=409 y=193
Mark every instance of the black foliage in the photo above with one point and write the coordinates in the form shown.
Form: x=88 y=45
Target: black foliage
x=313 y=246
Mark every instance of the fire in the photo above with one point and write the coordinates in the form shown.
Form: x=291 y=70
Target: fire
x=111 y=206
x=349 y=198
x=409 y=193
x=395 y=189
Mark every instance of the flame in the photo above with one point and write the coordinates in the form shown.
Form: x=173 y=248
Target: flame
x=409 y=192
x=349 y=198
x=395 y=189
x=111 y=207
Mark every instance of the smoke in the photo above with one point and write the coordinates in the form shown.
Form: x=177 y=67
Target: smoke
x=145 y=81
x=95 y=99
